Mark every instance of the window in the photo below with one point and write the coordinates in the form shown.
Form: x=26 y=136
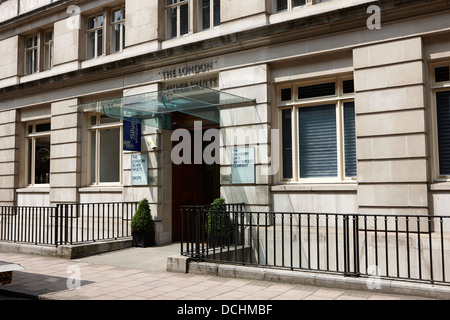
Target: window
x=209 y=14
x=48 y=50
x=94 y=35
x=177 y=13
x=317 y=123
x=284 y=5
x=38 y=153
x=105 y=150
x=441 y=96
x=117 y=29
x=31 y=55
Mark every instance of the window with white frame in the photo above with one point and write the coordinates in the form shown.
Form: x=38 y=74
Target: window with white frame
x=177 y=18
x=117 y=41
x=286 y=5
x=48 y=49
x=31 y=54
x=38 y=153
x=317 y=122
x=209 y=14
x=105 y=150
x=94 y=35
x=441 y=98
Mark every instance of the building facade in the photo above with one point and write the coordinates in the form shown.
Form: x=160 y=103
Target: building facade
x=343 y=105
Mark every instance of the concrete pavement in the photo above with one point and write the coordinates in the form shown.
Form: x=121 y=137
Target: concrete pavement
x=139 y=274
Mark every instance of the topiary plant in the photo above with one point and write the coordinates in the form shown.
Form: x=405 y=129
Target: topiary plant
x=218 y=223
x=142 y=220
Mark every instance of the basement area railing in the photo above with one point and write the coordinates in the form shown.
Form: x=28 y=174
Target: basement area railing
x=409 y=247
x=66 y=223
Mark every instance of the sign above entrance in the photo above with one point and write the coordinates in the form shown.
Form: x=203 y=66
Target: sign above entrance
x=188 y=70
x=155 y=108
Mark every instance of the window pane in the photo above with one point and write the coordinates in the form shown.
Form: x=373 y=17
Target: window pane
x=48 y=36
x=348 y=86
x=47 y=57
x=287 y=143
x=286 y=94
x=91 y=23
x=318 y=142
x=116 y=15
x=42 y=161
x=443 y=121
x=282 y=5
x=216 y=13
x=206 y=21
x=115 y=38
x=30 y=161
x=29 y=43
x=93 y=157
x=123 y=35
x=43 y=127
x=109 y=155
x=105 y=119
x=99 y=43
x=297 y=3
x=350 y=139
x=100 y=21
x=442 y=74
x=317 y=90
x=172 y=19
x=29 y=62
x=91 y=45
x=184 y=19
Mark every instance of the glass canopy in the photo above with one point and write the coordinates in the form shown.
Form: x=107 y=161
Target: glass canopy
x=155 y=108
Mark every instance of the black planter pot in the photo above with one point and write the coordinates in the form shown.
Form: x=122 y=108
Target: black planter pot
x=143 y=239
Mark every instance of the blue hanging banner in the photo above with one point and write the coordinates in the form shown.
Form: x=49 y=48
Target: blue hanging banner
x=131 y=136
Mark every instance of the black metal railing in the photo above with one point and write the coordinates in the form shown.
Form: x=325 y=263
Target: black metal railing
x=411 y=247
x=66 y=223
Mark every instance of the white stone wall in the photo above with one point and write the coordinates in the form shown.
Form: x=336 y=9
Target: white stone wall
x=9 y=166
x=390 y=128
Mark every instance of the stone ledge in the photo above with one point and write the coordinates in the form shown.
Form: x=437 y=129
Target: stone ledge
x=67 y=251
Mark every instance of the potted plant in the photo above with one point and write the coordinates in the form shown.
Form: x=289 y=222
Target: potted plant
x=218 y=224
x=143 y=226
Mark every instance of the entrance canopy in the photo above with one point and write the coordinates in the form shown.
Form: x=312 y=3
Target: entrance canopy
x=155 y=108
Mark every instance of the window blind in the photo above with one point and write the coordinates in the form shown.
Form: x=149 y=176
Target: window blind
x=318 y=142
x=443 y=122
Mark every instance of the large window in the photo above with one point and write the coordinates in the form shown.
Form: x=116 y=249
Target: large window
x=285 y=5
x=94 y=33
x=105 y=150
x=317 y=123
x=38 y=153
x=441 y=96
x=177 y=12
x=31 y=54
x=117 y=29
x=209 y=15
x=48 y=50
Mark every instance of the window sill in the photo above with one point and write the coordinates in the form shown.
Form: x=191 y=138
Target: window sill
x=323 y=187
x=111 y=189
x=440 y=186
x=43 y=189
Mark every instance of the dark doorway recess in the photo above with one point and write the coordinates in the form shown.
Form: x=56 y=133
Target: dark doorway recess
x=192 y=184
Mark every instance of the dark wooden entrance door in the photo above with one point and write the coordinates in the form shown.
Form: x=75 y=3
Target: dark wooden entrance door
x=192 y=184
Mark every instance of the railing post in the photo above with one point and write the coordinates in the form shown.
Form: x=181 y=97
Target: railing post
x=58 y=206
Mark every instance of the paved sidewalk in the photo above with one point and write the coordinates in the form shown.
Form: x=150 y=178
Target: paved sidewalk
x=139 y=274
